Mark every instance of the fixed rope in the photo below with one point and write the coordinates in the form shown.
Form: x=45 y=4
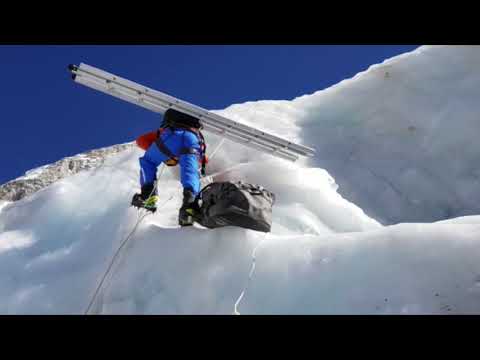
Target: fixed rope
x=250 y=276
x=94 y=297
x=139 y=220
x=220 y=143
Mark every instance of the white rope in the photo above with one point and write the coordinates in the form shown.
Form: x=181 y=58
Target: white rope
x=250 y=276
x=122 y=244
x=220 y=143
x=94 y=297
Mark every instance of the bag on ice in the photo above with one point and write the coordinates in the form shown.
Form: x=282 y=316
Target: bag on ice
x=236 y=204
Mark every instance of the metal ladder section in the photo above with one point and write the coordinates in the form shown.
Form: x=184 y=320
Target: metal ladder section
x=159 y=102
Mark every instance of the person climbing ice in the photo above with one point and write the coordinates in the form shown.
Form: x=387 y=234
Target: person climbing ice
x=178 y=141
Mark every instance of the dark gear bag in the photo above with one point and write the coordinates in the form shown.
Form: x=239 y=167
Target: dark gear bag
x=178 y=119
x=236 y=204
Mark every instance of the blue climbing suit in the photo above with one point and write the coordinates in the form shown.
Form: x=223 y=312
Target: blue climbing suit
x=185 y=145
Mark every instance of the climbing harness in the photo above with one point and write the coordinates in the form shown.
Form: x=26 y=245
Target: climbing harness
x=172 y=159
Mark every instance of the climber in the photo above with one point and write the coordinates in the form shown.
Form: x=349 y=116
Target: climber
x=177 y=141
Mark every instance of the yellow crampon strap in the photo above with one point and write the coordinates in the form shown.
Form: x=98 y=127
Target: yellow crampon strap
x=151 y=201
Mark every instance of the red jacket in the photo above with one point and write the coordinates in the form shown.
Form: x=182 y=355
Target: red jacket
x=144 y=141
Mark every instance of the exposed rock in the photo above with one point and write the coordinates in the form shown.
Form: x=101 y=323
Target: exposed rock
x=44 y=176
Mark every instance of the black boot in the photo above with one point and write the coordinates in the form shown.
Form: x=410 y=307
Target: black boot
x=147 y=198
x=148 y=190
x=189 y=210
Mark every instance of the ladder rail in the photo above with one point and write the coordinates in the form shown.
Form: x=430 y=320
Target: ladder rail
x=188 y=107
x=257 y=144
x=159 y=102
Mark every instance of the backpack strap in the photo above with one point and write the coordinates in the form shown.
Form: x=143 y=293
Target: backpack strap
x=203 y=151
x=203 y=148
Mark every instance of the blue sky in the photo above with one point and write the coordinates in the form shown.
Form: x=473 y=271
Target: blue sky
x=45 y=116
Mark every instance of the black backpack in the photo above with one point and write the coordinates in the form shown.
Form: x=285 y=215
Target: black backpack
x=176 y=119
x=236 y=204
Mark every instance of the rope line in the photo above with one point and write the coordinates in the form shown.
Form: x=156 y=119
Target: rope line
x=139 y=220
x=220 y=143
x=250 y=276
x=113 y=261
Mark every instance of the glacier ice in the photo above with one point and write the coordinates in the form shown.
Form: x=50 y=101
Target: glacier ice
x=377 y=223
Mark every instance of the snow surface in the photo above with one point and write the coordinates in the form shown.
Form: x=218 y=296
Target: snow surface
x=401 y=139
x=3 y=203
x=388 y=141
